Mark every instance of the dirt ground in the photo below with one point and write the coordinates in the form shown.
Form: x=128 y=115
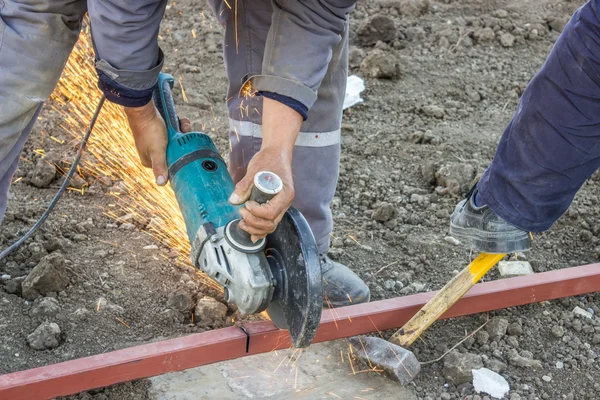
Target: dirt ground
x=442 y=80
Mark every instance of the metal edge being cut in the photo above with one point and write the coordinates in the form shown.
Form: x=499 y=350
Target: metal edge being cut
x=190 y=351
x=294 y=259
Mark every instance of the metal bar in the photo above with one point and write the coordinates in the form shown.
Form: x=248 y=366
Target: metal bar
x=124 y=365
x=224 y=344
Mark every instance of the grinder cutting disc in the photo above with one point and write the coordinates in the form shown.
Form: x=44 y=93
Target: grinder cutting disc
x=294 y=260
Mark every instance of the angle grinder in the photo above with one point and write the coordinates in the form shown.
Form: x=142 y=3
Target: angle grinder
x=280 y=273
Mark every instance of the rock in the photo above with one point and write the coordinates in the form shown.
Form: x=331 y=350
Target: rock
x=452 y=240
x=49 y=275
x=37 y=252
x=557 y=331
x=560 y=365
x=43 y=174
x=524 y=362
x=490 y=382
x=512 y=342
x=45 y=337
x=151 y=247
x=5 y=277
x=482 y=337
x=210 y=312
x=472 y=94
x=558 y=24
x=546 y=378
x=510 y=269
x=14 y=286
x=389 y=284
x=82 y=313
x=355 y=56
x=507 y=40
x=378 y=27
x=47 y=307
x=170 y=316
x=380 y=64
x=497 y=328
x=500 y=13
x=415 y=33
x=580 y=311
x=428 y=170
x=515 y=329
x=412 y=8
x=458 y=367
x=485 y=35
x=433 y=111
x=455 y=176
x=77 y=182
x=181 y=301
x=596 y=339
x=495 y=365
x=384 y=212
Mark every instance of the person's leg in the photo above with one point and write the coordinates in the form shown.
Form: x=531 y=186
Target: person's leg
x=317 y=153
x=548 y=150
x=36 y=37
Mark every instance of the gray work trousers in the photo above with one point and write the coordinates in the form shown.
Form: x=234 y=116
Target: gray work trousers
x=36 y=37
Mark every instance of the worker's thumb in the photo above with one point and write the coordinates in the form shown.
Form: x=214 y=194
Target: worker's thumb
x=159 y=167
x=242 y=191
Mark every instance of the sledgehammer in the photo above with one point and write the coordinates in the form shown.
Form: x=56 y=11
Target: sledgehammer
x=392 y=356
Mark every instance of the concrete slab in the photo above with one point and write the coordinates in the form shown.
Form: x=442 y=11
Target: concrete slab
x=510 y=269
x=314 y=373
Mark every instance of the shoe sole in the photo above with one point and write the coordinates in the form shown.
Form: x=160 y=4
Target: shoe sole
x=493 y=243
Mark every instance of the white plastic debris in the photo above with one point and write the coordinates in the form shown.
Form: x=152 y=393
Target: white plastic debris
x=354 y=87
x=489 y=382
x=582 y=312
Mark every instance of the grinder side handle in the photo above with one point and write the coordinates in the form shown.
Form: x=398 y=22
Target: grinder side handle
x=266 y=185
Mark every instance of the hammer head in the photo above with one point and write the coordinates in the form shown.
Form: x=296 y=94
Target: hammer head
x=396 y=361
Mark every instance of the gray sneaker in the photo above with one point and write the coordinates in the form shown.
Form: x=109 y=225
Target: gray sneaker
x=341 y=286
x=484 y=231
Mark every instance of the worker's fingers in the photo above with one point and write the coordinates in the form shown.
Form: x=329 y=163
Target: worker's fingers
x=262 y=224
x=185 y=125
x=255 y=233
x=242 y=190
x=275 y=208
x=159 y=167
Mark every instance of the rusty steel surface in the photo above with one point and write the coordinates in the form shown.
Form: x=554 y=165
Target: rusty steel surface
x=260 y=337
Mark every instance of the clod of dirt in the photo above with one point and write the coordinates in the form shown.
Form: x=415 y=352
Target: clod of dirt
x=210 y=312
x=45 y=337
x=49 y=275
x=355 y=56
x=412 y=8
x=472 y=94
x=104 y=305
x=384 y=212
x=43 y=174
x=494 y=364
x=520 y=361
x=14 y=285
x=455 y=177
x=558 y=24
x=46 y=307
x=415 y=33
x=515 y=329
x=428 y=170
x=485 y=35
x=378 y=27
x=497 y=328
x=37 y=252
x=458 y=367
x=507 y=40
x=170 y=315
x=181 y=301
x=380 y=64
x=433 y=111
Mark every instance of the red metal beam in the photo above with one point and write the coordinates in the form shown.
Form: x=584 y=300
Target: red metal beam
x=260 y=337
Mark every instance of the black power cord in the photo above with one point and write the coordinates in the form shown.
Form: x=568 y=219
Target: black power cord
x=62 y=188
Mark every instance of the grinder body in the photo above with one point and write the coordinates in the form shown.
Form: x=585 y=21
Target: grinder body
x=280 y=274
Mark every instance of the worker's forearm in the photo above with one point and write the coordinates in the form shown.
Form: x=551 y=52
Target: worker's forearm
x=280 y=127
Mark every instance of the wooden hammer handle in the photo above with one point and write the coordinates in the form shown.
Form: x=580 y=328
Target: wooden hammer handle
x=445 y=298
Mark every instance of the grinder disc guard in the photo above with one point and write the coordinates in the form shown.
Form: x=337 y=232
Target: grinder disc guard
x=294 y=260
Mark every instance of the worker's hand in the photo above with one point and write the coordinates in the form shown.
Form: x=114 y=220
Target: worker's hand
x=280 y=128
x=150 y=135
x=261 y=219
